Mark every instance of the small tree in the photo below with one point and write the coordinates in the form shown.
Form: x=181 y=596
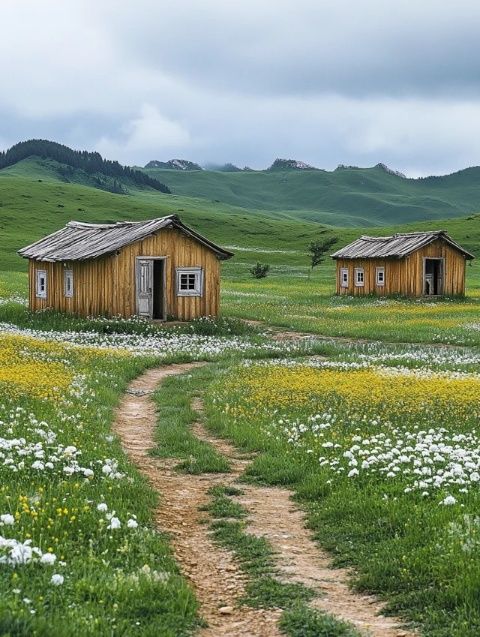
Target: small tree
x=260 y=270
x=319 y=249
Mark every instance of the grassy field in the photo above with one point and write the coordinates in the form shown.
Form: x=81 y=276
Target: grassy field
x=380 y=443
x=290 y=296
x=381 y=446
x=77 y=544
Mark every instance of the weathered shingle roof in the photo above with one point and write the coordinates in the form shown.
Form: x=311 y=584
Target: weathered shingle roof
x=79 y=241
x=397 y=246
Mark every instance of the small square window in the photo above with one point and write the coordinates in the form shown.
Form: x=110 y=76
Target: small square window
x=344 y=277
x=380 y=277
x=359 y=277
x=41 y=284
x=68 y=283
x=189 y=282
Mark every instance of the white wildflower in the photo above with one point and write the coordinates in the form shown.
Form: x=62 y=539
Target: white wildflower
x=48 y=558
x=57 y=579
x=7 y=519
x=114 y=523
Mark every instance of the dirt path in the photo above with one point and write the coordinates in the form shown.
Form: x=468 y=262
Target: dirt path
x=283 y=334
x=217 y=581
x=213 y=573
x=274 y=515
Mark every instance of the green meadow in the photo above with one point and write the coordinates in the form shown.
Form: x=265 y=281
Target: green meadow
x=34 y=202
x=377 y=441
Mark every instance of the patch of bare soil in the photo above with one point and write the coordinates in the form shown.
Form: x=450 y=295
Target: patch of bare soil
x=213 y=573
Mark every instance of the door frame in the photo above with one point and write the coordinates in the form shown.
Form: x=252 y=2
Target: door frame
x=164 y=285
x=425 y=259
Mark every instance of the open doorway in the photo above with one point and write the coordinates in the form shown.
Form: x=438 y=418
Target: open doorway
x=150 y=278
x=159 y=289
x=433 y=276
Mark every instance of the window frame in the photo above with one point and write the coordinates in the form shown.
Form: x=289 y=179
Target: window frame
x=68 y=274
x=380 y=270
x=195 y=271
x=359 y=284
x=39 y=275
x=344 y=283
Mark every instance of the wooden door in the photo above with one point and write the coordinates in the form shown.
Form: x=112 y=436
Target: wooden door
x=144 y=287
x=440 y=278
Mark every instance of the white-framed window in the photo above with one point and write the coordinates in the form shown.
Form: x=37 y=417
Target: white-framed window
x=41 y=284
x=344 y=277
x=189 y=282
x=359 y=277
x=68 y=283
x=380 y=276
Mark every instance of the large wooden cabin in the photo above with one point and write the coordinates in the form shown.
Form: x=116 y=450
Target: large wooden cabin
x=156 y=269
x=411 y=264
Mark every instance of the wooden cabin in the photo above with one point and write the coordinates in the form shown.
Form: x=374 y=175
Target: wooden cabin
x=156 y=269
x=411 y=264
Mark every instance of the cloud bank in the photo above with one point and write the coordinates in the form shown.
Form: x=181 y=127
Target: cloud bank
x=328 y=83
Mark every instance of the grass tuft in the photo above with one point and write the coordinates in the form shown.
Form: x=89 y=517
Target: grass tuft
x=221 y=506
x=302 y=621
x=270 y=592
x=173 y=433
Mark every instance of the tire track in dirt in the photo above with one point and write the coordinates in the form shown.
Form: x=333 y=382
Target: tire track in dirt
x=218 y=582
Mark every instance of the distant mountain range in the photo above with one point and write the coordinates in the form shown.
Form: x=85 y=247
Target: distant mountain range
x=347 y=196
x=278 y=164
x=173 y=164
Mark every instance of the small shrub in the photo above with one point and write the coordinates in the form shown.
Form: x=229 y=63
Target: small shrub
x=260 y=270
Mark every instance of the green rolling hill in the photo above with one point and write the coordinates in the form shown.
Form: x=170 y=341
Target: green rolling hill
x=344 y=197
x=38 y=196
x=35 y=201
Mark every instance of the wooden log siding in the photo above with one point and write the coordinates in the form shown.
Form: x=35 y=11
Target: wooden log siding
x=405 y=276
x=106 y=285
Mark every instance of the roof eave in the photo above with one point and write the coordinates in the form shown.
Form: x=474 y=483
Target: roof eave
x=169 y=221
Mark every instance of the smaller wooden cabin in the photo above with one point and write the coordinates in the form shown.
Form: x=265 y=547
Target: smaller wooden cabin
x=408 y=263
x=156 y=269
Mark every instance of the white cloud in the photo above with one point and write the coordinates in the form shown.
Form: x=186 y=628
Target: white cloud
x=324 y=82
x=149 y=132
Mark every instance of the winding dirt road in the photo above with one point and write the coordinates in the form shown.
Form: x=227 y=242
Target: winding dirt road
x=213 y=573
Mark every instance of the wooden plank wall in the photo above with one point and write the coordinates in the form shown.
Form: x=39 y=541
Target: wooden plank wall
x=405 y=276
x=181 y=251
x=106 y=286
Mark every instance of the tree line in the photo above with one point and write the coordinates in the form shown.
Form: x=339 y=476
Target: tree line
x=91 y=163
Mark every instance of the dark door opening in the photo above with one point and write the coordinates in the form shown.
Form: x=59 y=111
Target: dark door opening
x=433 y=277
x=159 y=289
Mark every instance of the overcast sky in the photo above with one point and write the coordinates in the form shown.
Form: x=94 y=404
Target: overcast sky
x=328 y=82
